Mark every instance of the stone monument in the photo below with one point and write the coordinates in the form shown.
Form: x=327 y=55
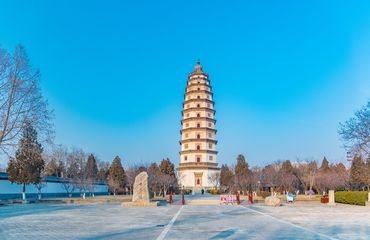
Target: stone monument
x=331 y=198
x=140 y=197
x=367 y=203
x=272 y=201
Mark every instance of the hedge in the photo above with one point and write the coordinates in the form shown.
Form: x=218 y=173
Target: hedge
x=351 y=197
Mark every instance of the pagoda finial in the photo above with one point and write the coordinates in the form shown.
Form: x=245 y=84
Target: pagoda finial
x=198 y=67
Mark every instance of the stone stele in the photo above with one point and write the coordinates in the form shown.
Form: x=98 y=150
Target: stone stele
x=331 y=198
x=367 y=203
x=272 y=201
x=141 y=192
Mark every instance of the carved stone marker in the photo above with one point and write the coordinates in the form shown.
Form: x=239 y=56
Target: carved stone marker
x=331 y=198
x=368 y=200
x=141 y=189
x=141 y=193
x=272 y=201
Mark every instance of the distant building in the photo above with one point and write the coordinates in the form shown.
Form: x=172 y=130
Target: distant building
x=198 y=155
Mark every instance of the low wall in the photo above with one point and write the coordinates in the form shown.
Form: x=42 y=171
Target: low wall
x=53 y=188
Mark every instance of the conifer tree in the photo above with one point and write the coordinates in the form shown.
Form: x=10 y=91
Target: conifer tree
x=167 y=167
x=167 y=178
x=28 y=163
x=358 y=175
x=117 y=176
x=226 y=177
x=324 y=165
x=242 y=167
x=91 y=169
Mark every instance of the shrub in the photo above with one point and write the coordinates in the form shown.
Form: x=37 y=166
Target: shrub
x=351 y=197
x=214 y=191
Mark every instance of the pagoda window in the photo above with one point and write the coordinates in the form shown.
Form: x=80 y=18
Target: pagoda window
x=198 y=125
x=209 y=115
x=210 y=145
x=209 y=124
x=198 y=114
x=208 y=105
x=211 y=158
x=187 y=125
x=185 y=158
x=198 y=89
x=198 y=136
x=198 y=159
x=186 y=135
x=210 y=135
x=198 y=97
x=198 y=147
x=186 y=146
x=198 y=105
x=187 y=115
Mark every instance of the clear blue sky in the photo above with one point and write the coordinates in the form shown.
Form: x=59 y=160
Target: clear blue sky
x=284 y=73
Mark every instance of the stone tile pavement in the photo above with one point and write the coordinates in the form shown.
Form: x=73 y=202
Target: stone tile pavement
x=111 y=221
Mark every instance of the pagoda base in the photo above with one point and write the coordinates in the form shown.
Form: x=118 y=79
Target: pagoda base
x=196 y=179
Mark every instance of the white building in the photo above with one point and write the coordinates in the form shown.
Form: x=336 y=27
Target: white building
x=198 y=155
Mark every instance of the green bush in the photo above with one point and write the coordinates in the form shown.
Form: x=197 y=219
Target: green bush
x=351 y=197
x=214 y=191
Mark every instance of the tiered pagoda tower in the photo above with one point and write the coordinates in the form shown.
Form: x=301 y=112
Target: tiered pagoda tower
x=198 y=155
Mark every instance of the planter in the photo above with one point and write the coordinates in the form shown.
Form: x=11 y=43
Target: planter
x=324 y=199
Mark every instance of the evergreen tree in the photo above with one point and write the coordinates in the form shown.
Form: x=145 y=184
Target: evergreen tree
x=226 y=177
x=324 y=165
x=287 y=167
x=242 y=167
x=117 y=176
x=358 y=174
x=167 y=177
x=28 y=163
x=167 y=167
x=91 y=169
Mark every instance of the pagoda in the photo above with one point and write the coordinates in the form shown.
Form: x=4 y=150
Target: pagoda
x=198 y=155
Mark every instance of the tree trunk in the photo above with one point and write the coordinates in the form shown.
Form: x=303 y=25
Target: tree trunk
x=24 y=192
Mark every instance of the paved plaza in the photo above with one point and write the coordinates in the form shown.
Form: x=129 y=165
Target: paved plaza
x=111 y=221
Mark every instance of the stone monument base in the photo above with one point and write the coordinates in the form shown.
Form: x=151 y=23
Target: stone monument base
x=140 y=204
x=367 y=203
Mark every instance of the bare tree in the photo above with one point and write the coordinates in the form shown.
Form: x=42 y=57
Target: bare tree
x=214 y=179
x=356 y=132
x=39 y=186
x=20 y=99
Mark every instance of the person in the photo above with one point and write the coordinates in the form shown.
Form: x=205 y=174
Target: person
x=223 y=199
x=230 y=199
x=202 y=191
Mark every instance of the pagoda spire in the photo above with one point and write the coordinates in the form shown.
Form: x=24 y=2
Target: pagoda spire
x=198 y=67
